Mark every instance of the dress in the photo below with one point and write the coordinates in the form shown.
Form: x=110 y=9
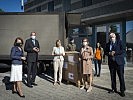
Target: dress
x=87 y=55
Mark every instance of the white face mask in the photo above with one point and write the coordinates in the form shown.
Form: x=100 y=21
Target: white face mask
x=33 y=37
x=85 y=43
x=113 y=40
x=72 y=41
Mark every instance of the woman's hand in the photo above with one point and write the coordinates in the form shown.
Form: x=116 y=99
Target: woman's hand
x=23 y=58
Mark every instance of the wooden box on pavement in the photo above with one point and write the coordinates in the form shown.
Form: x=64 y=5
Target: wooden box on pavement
x=71 y=67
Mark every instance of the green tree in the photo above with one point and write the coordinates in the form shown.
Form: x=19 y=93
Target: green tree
x=1 y=10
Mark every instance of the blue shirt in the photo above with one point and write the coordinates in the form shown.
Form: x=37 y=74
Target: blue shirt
x=16 y=55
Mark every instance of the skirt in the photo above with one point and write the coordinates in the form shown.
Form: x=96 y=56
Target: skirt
x=16 y=73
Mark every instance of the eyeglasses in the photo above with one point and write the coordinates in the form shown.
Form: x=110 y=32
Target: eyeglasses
x=112 y=37
x=85 y=41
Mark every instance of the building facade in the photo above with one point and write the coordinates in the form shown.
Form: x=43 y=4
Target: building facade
x=98 y=17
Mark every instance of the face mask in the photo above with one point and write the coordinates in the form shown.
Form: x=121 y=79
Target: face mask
x=85 y=43
x=19 y=44
x=33 y=37
x=72 y=41
x=113 y=40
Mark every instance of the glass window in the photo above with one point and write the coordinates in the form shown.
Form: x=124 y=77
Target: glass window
x=38 y=9
x=129 y=41
x=57 y=2
x=129 y=25
x=44 y=6
x=86 y=3
x=51 y=6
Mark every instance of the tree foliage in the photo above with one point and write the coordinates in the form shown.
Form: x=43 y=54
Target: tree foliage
x=1 y=10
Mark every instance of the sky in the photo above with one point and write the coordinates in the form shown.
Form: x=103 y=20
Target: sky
x=11 y=5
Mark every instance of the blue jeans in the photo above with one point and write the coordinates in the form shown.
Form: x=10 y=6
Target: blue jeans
x=97 y=68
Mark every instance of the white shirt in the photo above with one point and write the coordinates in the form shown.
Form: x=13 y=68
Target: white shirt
x=111 y=45
x=57 y=51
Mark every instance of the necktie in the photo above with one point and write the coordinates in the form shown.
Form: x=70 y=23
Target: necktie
x=112 y=46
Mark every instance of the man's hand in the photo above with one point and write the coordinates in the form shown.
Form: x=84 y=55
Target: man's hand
x=110 y=53
x=36 y=49
x=113 y=52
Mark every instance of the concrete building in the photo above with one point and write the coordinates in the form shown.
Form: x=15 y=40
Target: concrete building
x=97 y=16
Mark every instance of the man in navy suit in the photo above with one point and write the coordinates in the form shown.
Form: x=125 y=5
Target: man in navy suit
x=115 y=52
x=32 y=48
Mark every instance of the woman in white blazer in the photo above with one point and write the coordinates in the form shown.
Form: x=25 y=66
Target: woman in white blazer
x=58 y=52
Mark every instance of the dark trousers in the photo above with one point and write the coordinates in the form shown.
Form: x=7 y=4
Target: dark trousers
x=32 y=71
x=97 y=62
x=114 y=67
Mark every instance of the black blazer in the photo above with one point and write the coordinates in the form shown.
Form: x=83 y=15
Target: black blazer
x=119 y=53
x=32 y=56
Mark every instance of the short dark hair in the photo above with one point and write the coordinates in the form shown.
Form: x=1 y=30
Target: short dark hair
x=71 y=39
x=18 y=38
x=32 y=32
x=85 y=39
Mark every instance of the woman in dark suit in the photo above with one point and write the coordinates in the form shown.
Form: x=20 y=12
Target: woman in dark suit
x=16 y=67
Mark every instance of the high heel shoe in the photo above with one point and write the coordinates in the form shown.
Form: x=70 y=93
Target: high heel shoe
x=14 y=92
x=89 y=90
x=54 y=83
x=82 y=87
x=22 y=96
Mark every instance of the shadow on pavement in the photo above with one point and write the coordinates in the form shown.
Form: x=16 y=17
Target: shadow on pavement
x=101 y=87
x=46 y=77
x=7 y=83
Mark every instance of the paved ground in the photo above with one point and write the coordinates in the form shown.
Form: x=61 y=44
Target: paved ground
x=46 y=91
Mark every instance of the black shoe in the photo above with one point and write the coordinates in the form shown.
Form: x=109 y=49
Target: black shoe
x=122 y=94
x=14 y=92
x=95 y=74
x=22 y=96
x=112 y=91
x=34 y=84
x=98 y=75
x=30 y=86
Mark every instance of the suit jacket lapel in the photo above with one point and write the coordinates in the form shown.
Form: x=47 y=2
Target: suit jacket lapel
x=36 y=43
x=32 y=42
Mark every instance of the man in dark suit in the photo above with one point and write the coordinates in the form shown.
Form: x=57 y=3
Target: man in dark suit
x=114 y=51
x=32 y=48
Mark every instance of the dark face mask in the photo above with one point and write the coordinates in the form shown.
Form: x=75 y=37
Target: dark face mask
x=19 y=44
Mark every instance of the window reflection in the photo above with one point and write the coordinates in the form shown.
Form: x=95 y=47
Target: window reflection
x=129 y=41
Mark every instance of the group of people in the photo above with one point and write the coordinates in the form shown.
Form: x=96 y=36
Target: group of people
x=114 y=51
x=32 y=48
